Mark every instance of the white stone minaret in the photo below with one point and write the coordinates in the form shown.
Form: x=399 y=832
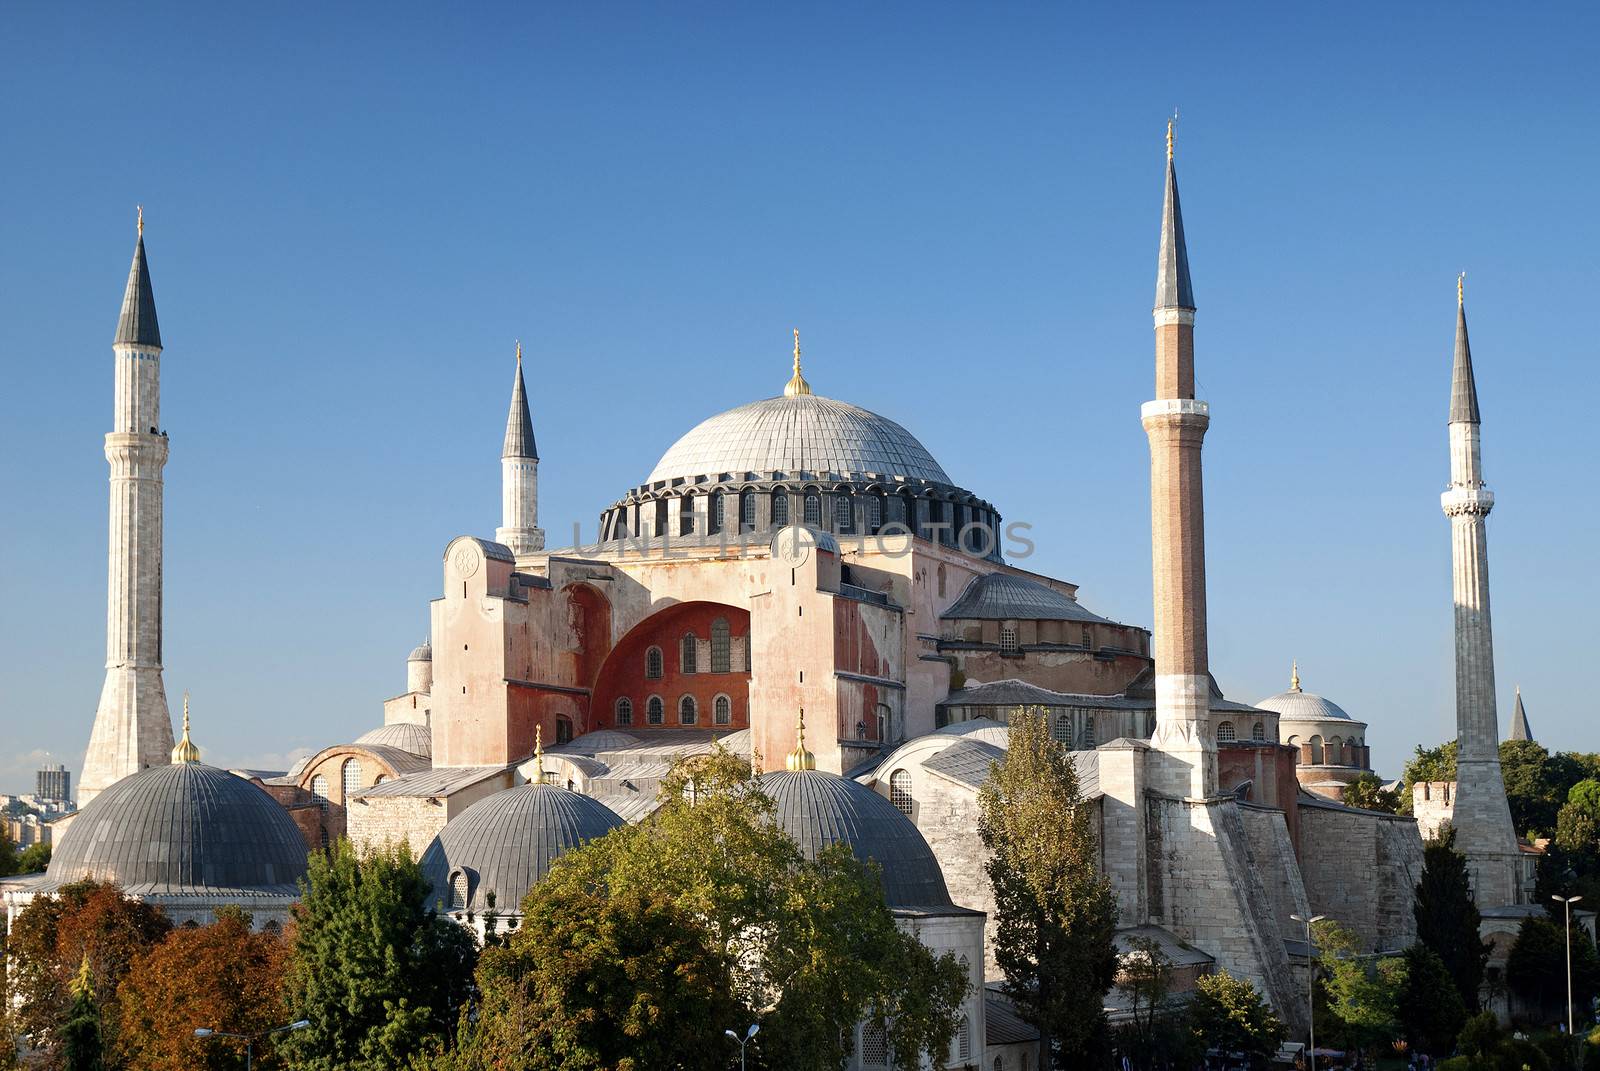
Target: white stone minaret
x=519 y=476
x=132 y=727
x=1481 y=817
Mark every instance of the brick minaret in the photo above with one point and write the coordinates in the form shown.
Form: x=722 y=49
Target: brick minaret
x=132 y=727
x=519 y=476
x=1482 y=819
x=1176 y=423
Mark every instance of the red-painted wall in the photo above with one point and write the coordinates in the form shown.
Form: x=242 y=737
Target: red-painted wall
x=623 y=673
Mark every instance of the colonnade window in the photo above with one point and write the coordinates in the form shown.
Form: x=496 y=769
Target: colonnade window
x=624 y=711
x=652 y=663
x=351 y=778
x=722 y=710
x=721 y=647
x=1225 y=733
x=654 y=710
x=780 y=508
x=900 y=791
x=688 y=711
x=813 y=509
x=686 y=660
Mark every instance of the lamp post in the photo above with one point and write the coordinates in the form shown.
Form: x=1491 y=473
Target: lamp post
x=755 y=1028
x=1311 y=990
x=250 y=1039
x=1567 y=902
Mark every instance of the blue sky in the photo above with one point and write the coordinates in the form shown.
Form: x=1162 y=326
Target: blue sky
x=351 y=213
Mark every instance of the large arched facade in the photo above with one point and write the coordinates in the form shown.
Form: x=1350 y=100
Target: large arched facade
x=687 y=666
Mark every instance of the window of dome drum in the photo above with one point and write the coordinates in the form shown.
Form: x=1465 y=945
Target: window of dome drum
x=688 y=711
x=654 y=710
x=900 y=791
x=686 y=653
x=652 y=663
x=844 y=514
x=351 y=778
x=661 y=517
x=686 y=515
x=747 y=511
x=715 y=513
x=722 y=710
x=624 y=711
x=813 y=514
x=1008 y=640
x=1225 y=733
x=721 y=647
x=874 y=512
x=780 y=509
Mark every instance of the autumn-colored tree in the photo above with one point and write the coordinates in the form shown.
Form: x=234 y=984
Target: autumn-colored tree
x=222 y=977
x=1055 y=911
x=48 y=944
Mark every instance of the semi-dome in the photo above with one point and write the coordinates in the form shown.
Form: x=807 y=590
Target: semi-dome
x=504 y=844
x=407 y=736
x=818 y=809
x=184 y=828
x=794 y=434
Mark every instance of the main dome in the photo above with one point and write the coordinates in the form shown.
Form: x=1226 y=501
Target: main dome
x=794 y=434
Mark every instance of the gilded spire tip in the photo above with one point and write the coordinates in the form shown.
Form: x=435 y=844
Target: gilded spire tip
x=519 y=353
x=185 y=751
x=141 y=221
x=1294 y=676
x=1170 y=123
x=797 y=383
x=800 y=758
x=538 y=754
x=1461 y=289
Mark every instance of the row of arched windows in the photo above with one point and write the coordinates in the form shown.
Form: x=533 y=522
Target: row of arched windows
x=349 y=782
x=688 y=711
x=1227 y=732
x=689 y=656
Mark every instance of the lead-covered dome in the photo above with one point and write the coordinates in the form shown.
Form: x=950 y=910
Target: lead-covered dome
x=1297 y=705
x=184 y=828
x=818 y=809
x=407 y=736
x=504 y=844
x=793 y=434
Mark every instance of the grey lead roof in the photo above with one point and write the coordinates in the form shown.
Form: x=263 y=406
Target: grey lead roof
x=1015 y=693
x=802 y=433
x=519 y=422
x=1173 y=289
x=1001 y=596
x=413 y=741
x=1463 y=386
x=183 y=828
x=137 y=325
x=966 y=761
x=819 y=809
x=506 y=842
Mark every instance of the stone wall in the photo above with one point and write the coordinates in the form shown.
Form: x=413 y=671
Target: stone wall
x=1361 y=869
x=413 y=820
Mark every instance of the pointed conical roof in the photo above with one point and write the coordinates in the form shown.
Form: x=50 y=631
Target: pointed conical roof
x=137 y=326
x=1520 y=729
x=1463 y=387
x=519 y=422
x=1173 y=290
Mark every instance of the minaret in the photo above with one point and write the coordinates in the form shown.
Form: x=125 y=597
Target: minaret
x=519 y=476
x=132 y=727
x=1481 y=818
x=1176 y=423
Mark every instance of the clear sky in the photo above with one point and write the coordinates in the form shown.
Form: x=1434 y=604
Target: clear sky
x=352 y=213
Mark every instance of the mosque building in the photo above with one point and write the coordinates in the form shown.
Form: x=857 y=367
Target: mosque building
x=800 y=581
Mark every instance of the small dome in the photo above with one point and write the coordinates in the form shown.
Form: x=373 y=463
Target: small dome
x=1295 y=705
x=506 y=843
x=407 y=736
x=183 y=828
x=423 y=652
x=818 y=809
x=601 y=740
x=798 y=433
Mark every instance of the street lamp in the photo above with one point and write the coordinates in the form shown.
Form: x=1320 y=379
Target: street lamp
x=755 y=1028
x=1568 y=901
x=250 y=1039
x=1311 y=990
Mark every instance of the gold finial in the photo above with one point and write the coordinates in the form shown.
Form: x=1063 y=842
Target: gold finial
x=797 y=384
x=800 y=758
x=1294 y=677
x=141 y=221
x=185 y=752
x=1171 y=121
x=1461 y=289
x=538 y=754
x=519 y=353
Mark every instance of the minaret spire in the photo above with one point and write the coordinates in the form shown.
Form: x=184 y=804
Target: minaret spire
x=1463 y=386
x=1520 y=729
x=132 y=726
x=519 y=474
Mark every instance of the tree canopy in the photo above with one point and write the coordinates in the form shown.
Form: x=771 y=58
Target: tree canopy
x=1536 y=969
x=1429 y=1009
x=1228 y=1015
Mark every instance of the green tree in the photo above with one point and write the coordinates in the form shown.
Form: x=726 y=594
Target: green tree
x=1531 y=789
x=8 y=854
x=1428 y=1007
x=1156 y=1034
x=34 y=858
x=1536 y=970
x=1427 y=764
x=1228 y=1015
x=1055 y=912
x=1368 y=793
x=1362 y=994
x=82 y=1049
x=1448 y=919
x=376 y=973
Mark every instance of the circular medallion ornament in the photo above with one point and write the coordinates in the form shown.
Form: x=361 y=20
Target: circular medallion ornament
x=467 y=559
x=792 y=545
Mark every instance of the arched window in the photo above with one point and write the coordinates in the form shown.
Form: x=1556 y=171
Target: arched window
x=319 y=788
x=714 y=514
x=1258 y=732
x=1335 y=751
x=624 y=711
x=351 y=777
x=844 y=513
x=1089 y=741
x=964 y=1040
x=780 y=509
x=999 y=1064
x=874 y=513
x=900 y=791
x=686 y=653
x=458 y=891
x=885 y=724
x=688 y=712
x=722 y=710
x=380 y=779
x=652 y=664
x=686 y=515
x=1008 y=640
x=654 y=710
x=1061 y=729
x=661 y=517
x=1225 y=733
x=813 y=513
x=747 y=511
x=721 y=647
x=874 y=1046
x=1316 y=750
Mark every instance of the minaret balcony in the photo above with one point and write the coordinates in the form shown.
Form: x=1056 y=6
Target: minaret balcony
x=1467 y=500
